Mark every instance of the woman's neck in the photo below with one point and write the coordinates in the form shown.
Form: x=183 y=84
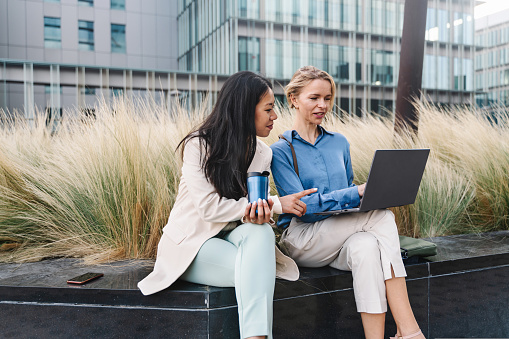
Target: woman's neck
x=306 y=130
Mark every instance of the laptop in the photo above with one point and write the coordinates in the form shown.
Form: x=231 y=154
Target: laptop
x=393 y=180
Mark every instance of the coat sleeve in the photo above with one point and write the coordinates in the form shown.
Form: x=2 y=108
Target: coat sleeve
x=208 y=203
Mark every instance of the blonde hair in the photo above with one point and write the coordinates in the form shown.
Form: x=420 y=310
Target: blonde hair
x=302 y=78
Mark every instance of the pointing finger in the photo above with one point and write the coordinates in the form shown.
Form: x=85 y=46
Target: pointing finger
x=305 y=192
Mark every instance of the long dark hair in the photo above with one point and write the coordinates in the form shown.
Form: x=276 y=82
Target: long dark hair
x=228 y=134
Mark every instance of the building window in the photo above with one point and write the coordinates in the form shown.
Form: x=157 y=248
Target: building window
x=249 y=54
x=117 y=38
x=317 y=13
x=443 y=68
x=358 y=66
x=339 y=62
x=89 y=3
x=274 y=58
x=249 y=9
x=117 y=4
x=117 y=92
x=381 y=67
x=48 y=89
x=52 y=33
x=318 y=55
x=86 y=35
x=89 y=90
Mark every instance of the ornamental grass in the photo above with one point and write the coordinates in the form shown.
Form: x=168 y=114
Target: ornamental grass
x=101 y=188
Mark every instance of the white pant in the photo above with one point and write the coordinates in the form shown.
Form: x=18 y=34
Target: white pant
x=365 y=243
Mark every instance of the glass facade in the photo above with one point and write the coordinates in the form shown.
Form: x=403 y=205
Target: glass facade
x=492 y=63
x=345 y=64
x=380 y=18
x=52 y=33
x=356 y=41
x=86 y=35
x=117 y=38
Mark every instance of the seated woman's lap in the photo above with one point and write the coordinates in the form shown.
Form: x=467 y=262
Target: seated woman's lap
x=216 y=260
x=213 y=265
x=318 y=244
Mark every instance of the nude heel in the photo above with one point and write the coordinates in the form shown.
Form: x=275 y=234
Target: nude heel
x=407 y=336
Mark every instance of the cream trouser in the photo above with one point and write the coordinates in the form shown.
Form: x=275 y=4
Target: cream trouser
x=245 y=259
x=365 y=243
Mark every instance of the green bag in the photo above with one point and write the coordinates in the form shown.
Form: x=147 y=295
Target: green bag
x=416 y=247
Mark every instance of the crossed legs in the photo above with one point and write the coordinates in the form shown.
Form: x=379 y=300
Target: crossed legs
x=397 y=297
x=368 y=245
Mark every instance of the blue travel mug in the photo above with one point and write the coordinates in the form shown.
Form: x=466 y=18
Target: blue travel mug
x=257 y=186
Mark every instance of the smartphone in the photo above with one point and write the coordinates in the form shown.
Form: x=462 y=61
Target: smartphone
x=84 y=278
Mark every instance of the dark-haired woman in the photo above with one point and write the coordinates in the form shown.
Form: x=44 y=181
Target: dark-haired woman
x=214 y=236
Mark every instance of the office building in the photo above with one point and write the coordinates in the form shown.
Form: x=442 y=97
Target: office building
x=64 y=53
x=58 y=54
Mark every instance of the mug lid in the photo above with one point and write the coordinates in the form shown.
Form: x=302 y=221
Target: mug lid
x=258 y=174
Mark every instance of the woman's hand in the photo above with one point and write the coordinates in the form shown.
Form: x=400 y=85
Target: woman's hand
x=292 y=204
x=361 y=188
x=263 y=215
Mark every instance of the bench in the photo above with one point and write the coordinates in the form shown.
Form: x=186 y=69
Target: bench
x=460 y=292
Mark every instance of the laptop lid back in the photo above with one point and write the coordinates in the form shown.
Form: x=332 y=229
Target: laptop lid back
x=394 y=178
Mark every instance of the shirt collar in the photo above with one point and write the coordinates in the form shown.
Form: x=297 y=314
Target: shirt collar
x=290 y=134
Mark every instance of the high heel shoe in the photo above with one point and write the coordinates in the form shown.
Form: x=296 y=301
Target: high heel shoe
x=407 y=336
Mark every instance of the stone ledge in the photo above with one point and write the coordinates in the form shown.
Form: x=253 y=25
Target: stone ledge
x=325 y=295
x=45 y=281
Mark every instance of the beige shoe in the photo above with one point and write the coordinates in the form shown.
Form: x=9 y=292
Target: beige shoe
x=407 y=336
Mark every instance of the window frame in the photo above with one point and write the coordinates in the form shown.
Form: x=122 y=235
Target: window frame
x=86 y=45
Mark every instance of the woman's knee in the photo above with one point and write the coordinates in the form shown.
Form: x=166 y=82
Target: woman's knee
x=363 y=245
x=383 y=222
x=258 y=232
x=388 y=213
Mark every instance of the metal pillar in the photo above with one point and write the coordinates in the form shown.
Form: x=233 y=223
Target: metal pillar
x=3 y=89
x=28 y=91
x=55 y=100
x=410 y=67
x=80 y=87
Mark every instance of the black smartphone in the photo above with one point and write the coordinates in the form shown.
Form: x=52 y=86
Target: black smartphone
x=84 y=278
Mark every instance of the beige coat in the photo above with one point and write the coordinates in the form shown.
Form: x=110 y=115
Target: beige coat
x=199 y=214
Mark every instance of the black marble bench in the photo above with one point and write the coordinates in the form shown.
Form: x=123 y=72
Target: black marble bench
x=463 y=291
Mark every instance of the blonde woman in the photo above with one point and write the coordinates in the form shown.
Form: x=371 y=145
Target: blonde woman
x=365 y=243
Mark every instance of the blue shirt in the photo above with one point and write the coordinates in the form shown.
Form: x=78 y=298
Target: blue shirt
x=326 y=165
